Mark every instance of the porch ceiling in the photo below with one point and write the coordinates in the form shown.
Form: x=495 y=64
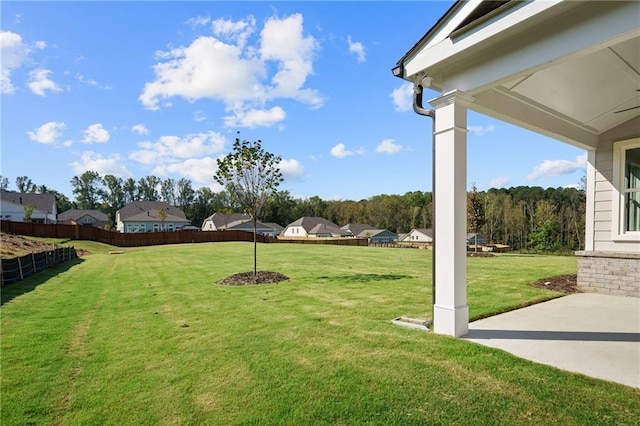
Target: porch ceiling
x=569 y=70
x=591 y=92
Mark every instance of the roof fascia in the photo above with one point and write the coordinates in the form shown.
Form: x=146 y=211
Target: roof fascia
x=498 y=23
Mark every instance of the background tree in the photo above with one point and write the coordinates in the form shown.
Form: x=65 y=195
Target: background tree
x=148 y=188
x=130 y=191
x=4 y=183
x=25 y=185
x=168 y=191
x=112 y=196
x=250 y=176
x=186 y=195
x=86 y=188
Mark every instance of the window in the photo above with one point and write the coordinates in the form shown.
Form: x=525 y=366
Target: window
x=626 y=176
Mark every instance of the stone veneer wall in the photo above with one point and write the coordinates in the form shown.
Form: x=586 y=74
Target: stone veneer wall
x=609 y=272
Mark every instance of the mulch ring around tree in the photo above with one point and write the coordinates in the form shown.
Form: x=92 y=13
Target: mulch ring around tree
x=247 y=278
x=564 y=283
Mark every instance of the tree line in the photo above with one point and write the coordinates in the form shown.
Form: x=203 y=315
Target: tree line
x=522 y=217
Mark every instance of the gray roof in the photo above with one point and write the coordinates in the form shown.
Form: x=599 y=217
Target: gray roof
x=75 y=214
x=427 y=232
x=323 y=228
x=368 y=233
x=147 y=211
x=356 y=228
x=308 y=223
x=42 y=202
x=221 y=220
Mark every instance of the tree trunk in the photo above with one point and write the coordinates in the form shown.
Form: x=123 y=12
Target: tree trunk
x=255 y=246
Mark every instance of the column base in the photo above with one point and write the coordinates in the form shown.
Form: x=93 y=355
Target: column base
x=452 y=321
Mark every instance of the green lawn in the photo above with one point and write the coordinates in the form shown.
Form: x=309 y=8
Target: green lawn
x=147 y=337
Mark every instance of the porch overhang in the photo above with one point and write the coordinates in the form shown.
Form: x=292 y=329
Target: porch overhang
x=564 y=69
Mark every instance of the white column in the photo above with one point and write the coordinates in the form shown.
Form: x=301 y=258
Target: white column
x=451 y=313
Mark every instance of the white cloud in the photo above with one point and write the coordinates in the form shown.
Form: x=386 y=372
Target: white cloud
x=200 y=170
x=291 y=169
x=236 y=32
x=104 y=165
x=13 y=53
x=340 y=151
x=171 y=149
x=39 y=82
x=558 y=167
x=482 y=130
x=228 y=68
x=48 y=133
x=96 y=133
x=199 y=116
x=198 y=21
x=41 y=44
x=357 y=49
x=402 y=97
x=255 y=118
x=140 y=129
x=499 y=182
x=387 y=146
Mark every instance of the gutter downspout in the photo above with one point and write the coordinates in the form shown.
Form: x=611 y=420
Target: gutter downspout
x=420 y=110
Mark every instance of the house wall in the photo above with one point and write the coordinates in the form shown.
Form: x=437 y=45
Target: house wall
x=602 y=202
x=208 y=226
x=295 y=231
x=16 y=213
x=132 y=227
x=607 y=266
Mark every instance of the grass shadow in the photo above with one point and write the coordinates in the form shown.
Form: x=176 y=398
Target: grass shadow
x=13 y=290
x=365 y=278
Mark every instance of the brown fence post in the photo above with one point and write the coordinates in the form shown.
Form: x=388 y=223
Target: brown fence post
x=33 y=262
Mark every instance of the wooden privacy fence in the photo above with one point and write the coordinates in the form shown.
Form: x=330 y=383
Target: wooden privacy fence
x=19 y=268
x=91 y=233
x=349 y=241
x=118 y=239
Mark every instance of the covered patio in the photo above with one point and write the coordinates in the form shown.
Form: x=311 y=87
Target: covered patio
x=569 y=70
x=592 y=334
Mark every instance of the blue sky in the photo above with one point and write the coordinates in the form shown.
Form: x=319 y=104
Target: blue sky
x=140 y=88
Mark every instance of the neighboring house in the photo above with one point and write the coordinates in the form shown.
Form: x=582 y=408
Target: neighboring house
x=565 y=69
x=84 y=217
x=355 y=228
x=144 y=216
x=378 y=236
x=218 y=221
x=266 y=229
x=419 y=236
x=12 y=205
x=239 y=221
x=476 y=239
x=313 y=227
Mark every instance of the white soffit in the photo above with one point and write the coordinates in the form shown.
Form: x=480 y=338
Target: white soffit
x=588 y=89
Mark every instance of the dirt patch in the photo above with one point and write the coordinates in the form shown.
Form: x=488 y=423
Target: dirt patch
x=479 y=254
x=12 y=246
x=564 y=283
x=247 y=278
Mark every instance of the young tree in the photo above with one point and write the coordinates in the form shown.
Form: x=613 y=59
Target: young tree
x=250 y=175
x=163 y=217
x=475 y=212
x=28 y=212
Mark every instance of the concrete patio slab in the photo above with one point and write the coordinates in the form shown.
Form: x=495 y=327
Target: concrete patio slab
x=593 y=334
